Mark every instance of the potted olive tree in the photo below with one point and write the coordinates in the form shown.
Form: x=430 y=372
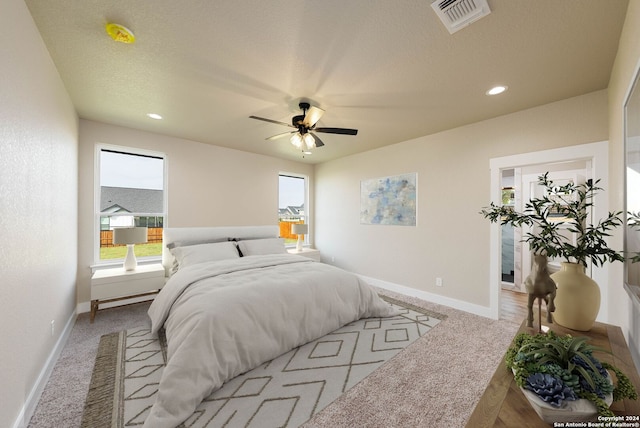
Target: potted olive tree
x=565 y=209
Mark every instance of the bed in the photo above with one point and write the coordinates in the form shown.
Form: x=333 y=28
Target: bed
x=234 y=299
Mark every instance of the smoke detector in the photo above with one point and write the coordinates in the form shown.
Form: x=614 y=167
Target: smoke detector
x=120 y=33
x=457 y=14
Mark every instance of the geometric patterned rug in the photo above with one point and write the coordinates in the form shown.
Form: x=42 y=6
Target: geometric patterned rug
x=284 y=392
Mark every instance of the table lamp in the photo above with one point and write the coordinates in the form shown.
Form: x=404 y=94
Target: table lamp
x=130 y=236
x=300 y=230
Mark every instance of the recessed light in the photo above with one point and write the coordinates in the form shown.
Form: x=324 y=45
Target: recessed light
x=154 y=116
x=496 y=90
x=307 y=153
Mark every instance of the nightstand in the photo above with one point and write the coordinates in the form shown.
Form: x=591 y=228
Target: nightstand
x=306 y=252
x=114 y=284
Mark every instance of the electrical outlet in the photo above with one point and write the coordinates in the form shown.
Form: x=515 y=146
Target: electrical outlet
x=439 y=282
x=333 y=259
x=53 y=327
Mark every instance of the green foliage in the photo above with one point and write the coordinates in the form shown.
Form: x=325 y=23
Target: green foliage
x=558 y=351
x=563 y=208
x=601 y=405
x=571 y=360
x=624 y=388
x=569 y=379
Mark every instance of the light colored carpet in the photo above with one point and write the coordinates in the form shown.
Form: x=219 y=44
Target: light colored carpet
x=286 y=391
x=62 y=401
x=435 y=382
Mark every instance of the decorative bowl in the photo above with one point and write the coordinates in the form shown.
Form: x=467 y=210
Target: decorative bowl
x=580 y=410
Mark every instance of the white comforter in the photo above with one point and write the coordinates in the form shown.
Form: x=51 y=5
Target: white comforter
x=225 y=318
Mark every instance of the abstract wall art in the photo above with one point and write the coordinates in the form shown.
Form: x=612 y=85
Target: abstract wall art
x=389 y=200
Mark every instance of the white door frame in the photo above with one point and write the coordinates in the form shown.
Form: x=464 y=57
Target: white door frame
x=598 y=154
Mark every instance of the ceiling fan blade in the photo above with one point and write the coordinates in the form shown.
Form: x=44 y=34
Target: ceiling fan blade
x=312 y=116
x=284 y=134
x=319 y=142
x=343 y=131
x=271 y=121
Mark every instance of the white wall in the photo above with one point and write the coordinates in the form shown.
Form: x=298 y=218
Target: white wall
x=627 y=61
x=208 y=185
x=451 y=240
x=39 y=191
x=38 y=209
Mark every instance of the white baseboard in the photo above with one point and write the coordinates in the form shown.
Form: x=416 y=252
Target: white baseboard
x=36 y=392
x=430 y=297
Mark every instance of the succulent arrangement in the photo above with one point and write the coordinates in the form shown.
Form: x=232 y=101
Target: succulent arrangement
x=562 y=368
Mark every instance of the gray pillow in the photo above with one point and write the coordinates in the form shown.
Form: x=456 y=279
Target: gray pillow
x=257 y=247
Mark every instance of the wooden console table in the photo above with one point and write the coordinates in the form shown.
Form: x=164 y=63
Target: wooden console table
x=504 y=405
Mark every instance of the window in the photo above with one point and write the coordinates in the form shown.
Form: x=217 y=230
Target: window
x=292 y=205
x=130 y=192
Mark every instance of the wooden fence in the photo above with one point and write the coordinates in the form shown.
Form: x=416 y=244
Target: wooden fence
x=285 y=229
x=154 y=235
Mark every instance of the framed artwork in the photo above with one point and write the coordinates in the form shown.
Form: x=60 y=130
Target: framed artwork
x=389 y=200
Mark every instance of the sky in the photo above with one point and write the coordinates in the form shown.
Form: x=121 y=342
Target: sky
x=291 y=192
x=139 y=172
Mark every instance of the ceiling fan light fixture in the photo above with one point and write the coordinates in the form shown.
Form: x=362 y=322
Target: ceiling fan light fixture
x=296 y=140
x=303 y=138
x=309 y=141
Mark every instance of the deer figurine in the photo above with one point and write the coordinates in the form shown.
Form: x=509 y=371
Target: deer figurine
x=540 y=286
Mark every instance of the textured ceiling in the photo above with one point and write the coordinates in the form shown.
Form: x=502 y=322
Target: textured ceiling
x=387 y=68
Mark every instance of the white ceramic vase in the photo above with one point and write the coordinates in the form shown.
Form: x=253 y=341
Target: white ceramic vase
x=577 y=298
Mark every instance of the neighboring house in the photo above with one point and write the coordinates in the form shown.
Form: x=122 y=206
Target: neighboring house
x=291 y=212
x=118 y=200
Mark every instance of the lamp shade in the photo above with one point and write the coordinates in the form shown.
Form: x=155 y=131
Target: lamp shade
x=300 y=229
x=129 y=235
x=309 y=141
x=296 y=140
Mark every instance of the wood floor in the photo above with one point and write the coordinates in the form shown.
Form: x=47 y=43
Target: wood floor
x=513 y=306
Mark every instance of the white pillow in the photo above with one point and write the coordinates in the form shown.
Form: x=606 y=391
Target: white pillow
x=201 y=253
x=257 y=247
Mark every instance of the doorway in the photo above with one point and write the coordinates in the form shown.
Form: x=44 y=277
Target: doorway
x=522 y=185
x=587 y=160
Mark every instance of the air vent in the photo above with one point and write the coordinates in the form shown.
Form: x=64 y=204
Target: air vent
x=457 y=14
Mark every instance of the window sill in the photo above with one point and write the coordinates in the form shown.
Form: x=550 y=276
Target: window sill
x=118 y=262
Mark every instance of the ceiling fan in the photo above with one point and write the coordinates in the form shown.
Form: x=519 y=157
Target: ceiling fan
x=304 y=124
